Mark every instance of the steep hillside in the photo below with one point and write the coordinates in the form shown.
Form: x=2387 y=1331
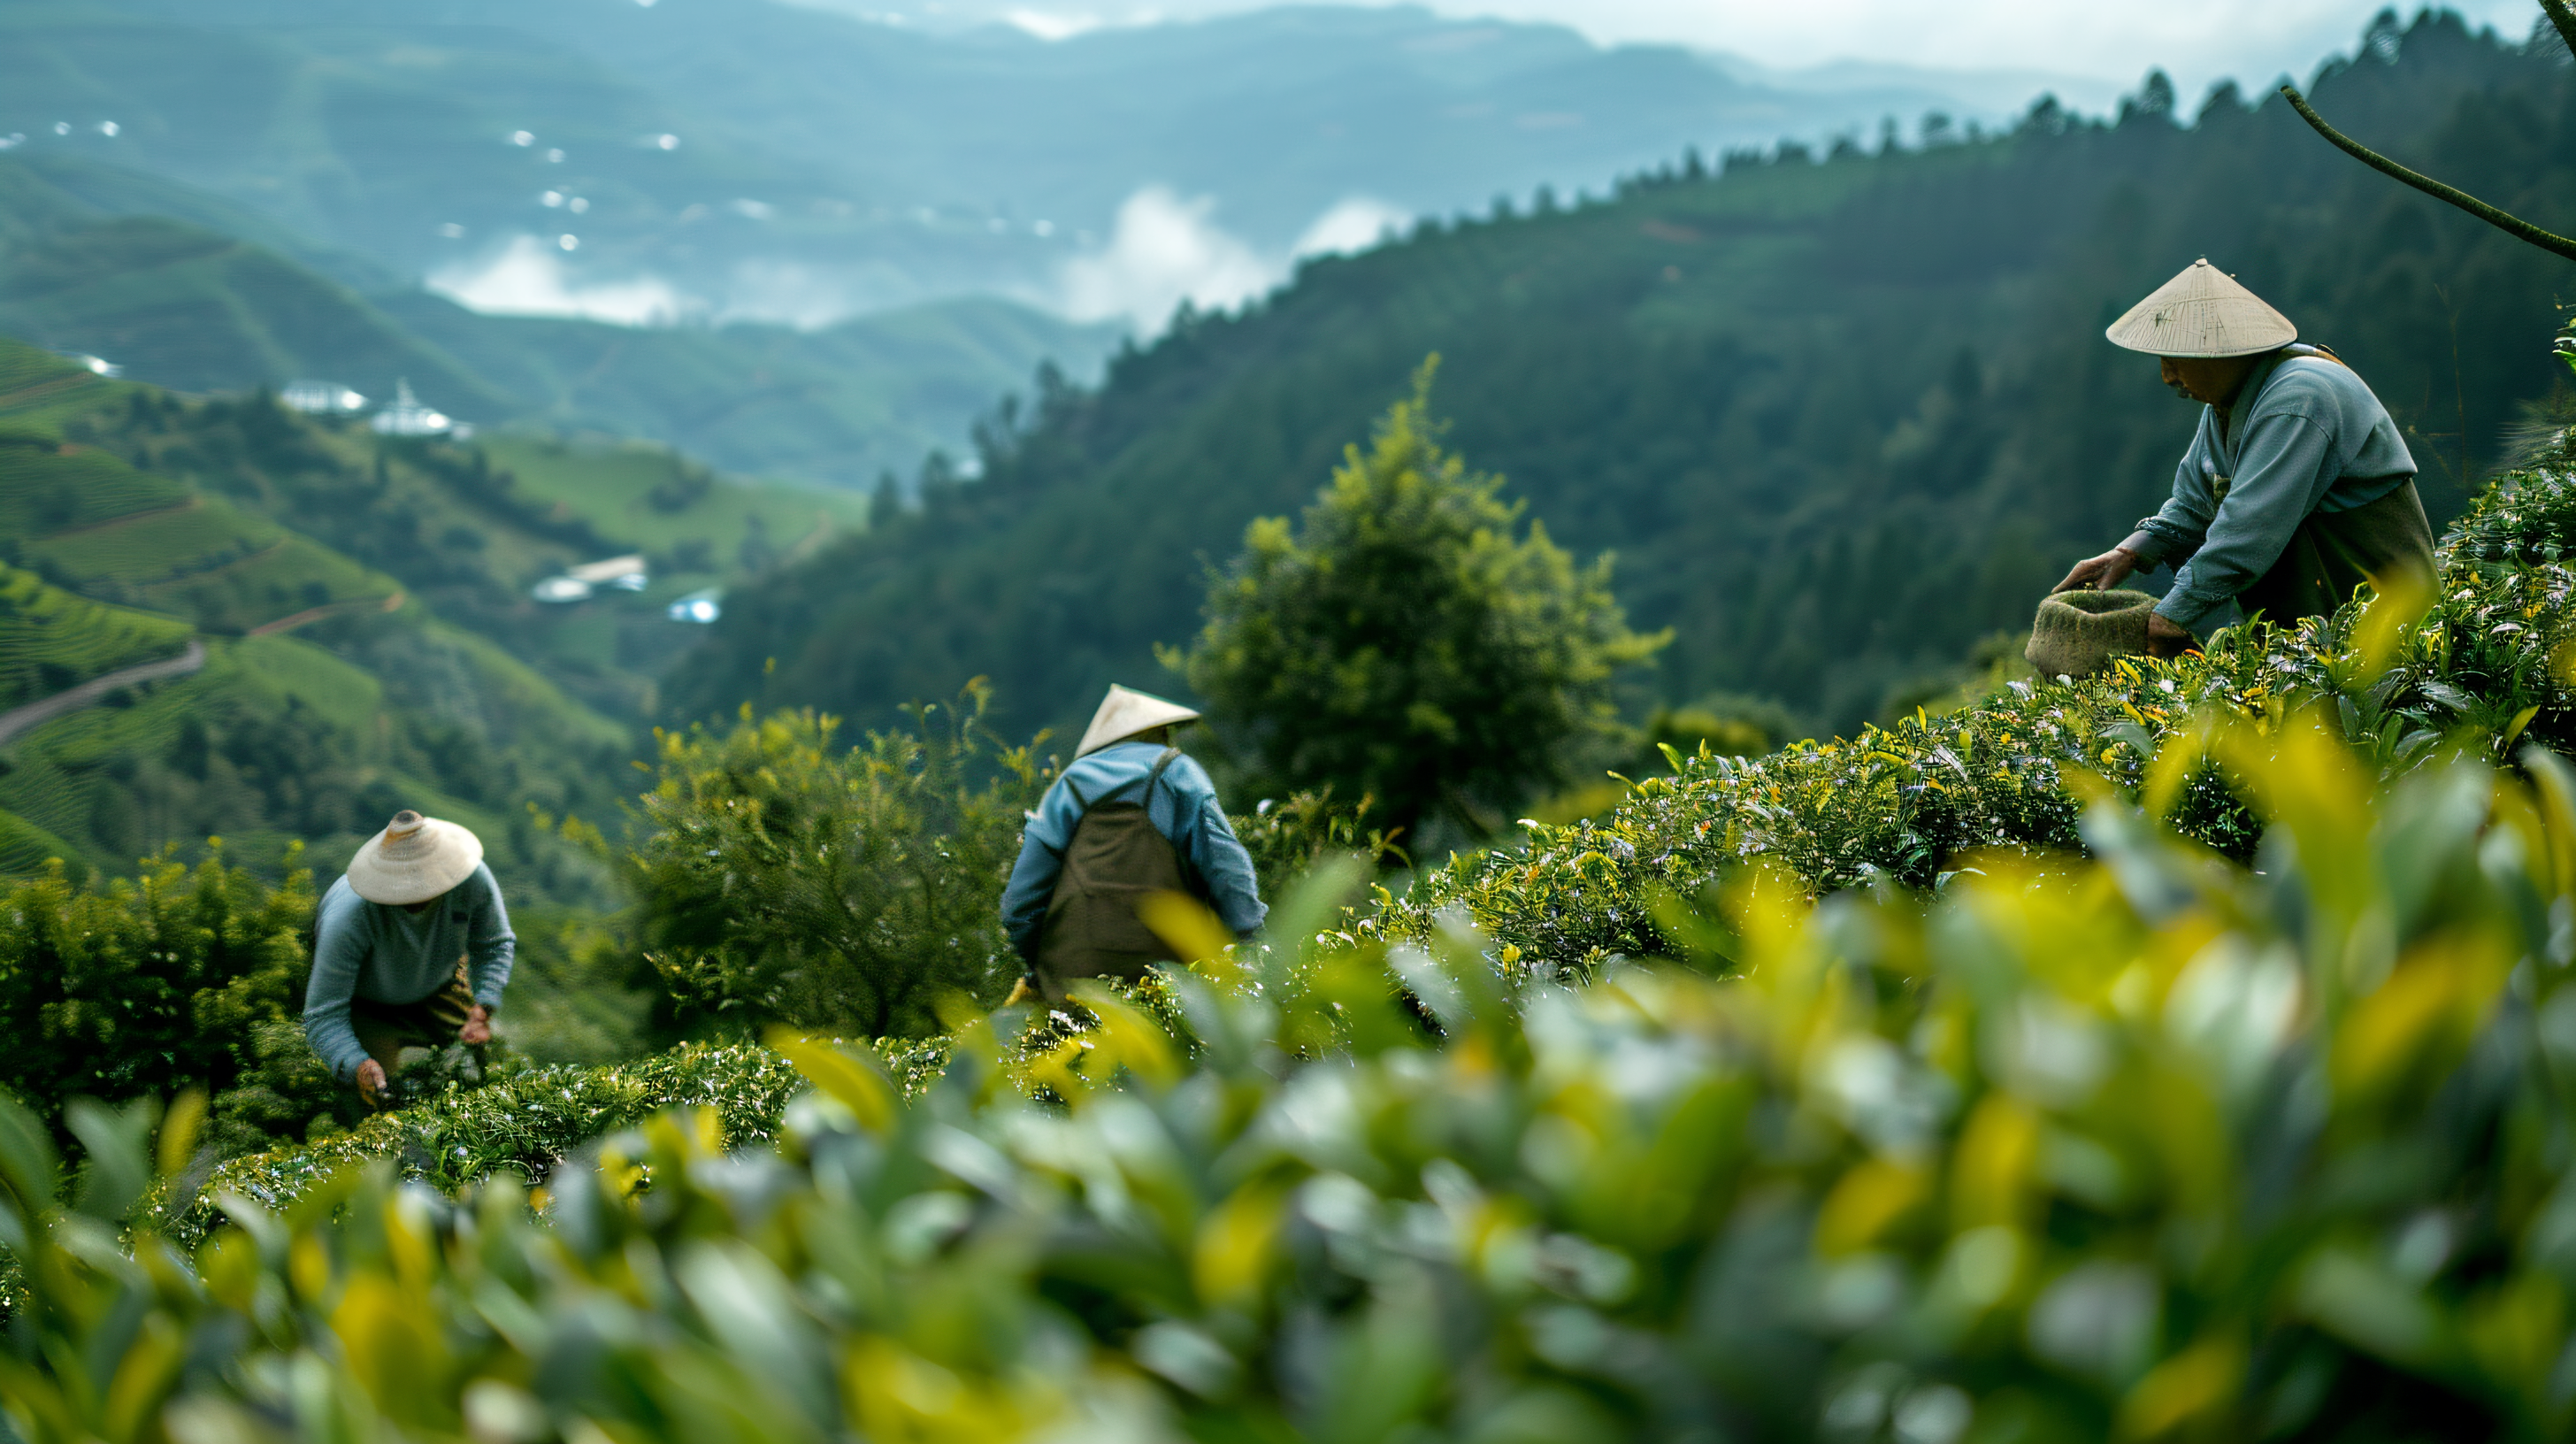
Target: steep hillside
x=195 y=310
x=52 y=640
x=361 y=611
x=97 y=260
x=840 y=406
x=1839 y=418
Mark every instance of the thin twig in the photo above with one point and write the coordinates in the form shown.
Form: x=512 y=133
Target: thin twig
x=2562 y=15
x=2513 y=226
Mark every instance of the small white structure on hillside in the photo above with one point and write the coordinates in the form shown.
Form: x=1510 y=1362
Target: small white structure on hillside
x=320 y=398
x=699 y=607
x=407 y=417
x=626 y=574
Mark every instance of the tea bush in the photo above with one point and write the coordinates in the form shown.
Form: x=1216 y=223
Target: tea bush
x=2480 y=666
x=782 y=879
x=526 y=1122
x=180 y=978
x=2144 y=1145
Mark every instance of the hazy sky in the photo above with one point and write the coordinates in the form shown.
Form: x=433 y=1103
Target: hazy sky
x=2198 y=41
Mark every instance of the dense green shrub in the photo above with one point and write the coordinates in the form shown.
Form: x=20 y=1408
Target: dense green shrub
x=2149 y=1145
x=1408 y=643
x=782 y=879
x=182 y=978
x=1288 y=837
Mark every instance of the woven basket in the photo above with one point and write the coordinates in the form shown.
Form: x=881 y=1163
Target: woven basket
x=2076 y=634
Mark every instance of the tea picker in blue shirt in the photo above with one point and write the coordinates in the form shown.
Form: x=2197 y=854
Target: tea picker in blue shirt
x=2296 y=488
x=411 y=947
x=1131 y=816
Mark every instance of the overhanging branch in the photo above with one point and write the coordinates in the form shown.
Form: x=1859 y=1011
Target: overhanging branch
x=2513 y=226
x=2562 y=15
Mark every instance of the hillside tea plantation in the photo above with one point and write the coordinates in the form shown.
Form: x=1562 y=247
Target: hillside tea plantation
x=2179 y=1054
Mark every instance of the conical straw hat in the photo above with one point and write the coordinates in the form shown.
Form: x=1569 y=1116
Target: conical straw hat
x=414 y=859
x=1123 y=714
x=2202 y=313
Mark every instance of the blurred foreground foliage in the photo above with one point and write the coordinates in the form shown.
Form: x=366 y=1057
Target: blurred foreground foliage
x=2143 y=1145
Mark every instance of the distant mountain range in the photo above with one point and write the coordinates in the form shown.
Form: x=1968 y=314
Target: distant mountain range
x=749 y=158
x=93 y=261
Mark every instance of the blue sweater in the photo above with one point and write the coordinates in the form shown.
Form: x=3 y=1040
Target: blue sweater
x=2307 y=437
x=388 y=954
x=1183 y=808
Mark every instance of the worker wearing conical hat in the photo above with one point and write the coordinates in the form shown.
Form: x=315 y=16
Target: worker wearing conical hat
x=1131 y=816
x=2296 y=488
x=410 y=947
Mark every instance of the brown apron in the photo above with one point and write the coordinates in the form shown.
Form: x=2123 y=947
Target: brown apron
x=2333 y=552
x=1114 y=860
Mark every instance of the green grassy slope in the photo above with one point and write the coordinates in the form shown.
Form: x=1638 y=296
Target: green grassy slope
x=466 y=529
x=51 y=640
x=332 y=693
x=703 y=528
x=196 y=310
x=841 y=405
x=1838 y=419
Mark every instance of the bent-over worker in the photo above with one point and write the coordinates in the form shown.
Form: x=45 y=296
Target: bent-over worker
x=411 y=947
x=2296 y=488
x=1131 y=816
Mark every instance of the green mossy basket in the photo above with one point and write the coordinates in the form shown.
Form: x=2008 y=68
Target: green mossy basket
x=2079 y=633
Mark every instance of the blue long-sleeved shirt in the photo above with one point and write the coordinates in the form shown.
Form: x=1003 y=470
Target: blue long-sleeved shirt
x=2307 y=437
x=1183 y=808
x=388 y=954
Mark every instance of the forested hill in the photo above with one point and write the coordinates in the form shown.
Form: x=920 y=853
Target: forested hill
x=1839 y=416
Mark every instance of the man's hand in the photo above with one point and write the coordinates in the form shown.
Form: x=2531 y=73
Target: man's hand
x=477 y=1028
x=2102 y=573
x=2165 y=639
x=371 y=1083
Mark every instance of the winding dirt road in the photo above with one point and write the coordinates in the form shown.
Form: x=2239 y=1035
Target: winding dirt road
x=72 y=699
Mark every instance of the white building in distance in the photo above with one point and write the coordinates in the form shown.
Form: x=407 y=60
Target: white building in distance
x=407 y=417
x=320 y=398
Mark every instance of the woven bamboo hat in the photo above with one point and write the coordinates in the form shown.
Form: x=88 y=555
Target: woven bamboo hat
x=2078 y=633
x=414 y=859
x=2202 y=313
x=1124 y=713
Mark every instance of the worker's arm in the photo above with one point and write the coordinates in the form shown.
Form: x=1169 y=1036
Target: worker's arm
x=2172 y=534
x=1041 y=862
x=1224 y=868
x=490 y=946
x=340 y=946
x=2283 y=470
